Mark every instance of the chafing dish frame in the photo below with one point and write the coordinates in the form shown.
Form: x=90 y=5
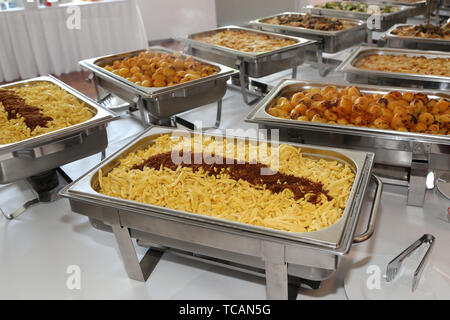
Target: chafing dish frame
x=364 y=76
x=386 y=19
x=255 y=65
x=38 y=154
x=331 y=41
x=280 y=253
x=159 y=104
x=417 y=43
x=418 y=152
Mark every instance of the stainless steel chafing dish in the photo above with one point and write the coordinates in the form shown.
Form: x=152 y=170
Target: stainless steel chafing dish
x=254 y=65
x=404 y=158
x=356 y=75
x=396 y=41
x=160 y=103
x=386 y=19
x=331 y=41
x=35 y=155
x=313 y=255
x=417 y=8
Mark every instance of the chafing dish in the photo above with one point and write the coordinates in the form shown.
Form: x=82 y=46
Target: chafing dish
x=385 y=22
x=396 y=41
x=314 y=255
x=331 y=41
x=38 y=154
x=418 y=153
x=356 y=75
x=417 y=8
x=254 y=65
x=159 y=103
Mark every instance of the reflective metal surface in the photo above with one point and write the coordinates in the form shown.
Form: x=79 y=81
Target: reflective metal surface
x=395 y=41
x=255 y=65
x=357 y=75
x=314 y=255
x=386 y=19
x=160 y=103
x=331 y=41
x=32 y=156
x=416 y=8
x=416 y=151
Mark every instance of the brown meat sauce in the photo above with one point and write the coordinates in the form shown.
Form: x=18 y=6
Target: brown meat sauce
x=16 y=107
x=215 y=165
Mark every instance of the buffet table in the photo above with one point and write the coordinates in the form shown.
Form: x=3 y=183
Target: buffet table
x=41 y=41
x=39 y=249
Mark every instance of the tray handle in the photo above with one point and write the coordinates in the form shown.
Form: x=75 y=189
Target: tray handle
x=373 y=213
x=50 y=148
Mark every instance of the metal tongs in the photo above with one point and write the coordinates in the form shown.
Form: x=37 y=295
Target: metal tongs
x=394 y=266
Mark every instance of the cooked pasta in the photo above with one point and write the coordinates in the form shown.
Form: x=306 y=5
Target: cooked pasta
x=230 y=193
x=52 y=108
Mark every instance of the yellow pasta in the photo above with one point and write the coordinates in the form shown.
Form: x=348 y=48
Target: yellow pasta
x=64 y=109
x=222 y=196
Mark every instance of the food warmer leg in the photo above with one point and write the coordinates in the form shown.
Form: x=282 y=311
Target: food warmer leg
x=244 y=84
x=108 y=99
x=45 y=187
x=284 y=266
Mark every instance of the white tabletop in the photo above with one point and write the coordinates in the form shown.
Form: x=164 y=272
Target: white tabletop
x=37 y=249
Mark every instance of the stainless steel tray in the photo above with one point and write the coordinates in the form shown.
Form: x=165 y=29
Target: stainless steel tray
x=395 y=41
x=416 y=8
x=254 y=65
x=165 y=101
x=331 y=41
x=35 y=155
x=390 y=147
x=356 y=75
x=386 y=19
x=394 y=150
x=313 y=255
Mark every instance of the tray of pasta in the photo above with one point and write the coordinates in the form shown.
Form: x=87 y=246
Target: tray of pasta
x=233 y=196
x=46 y=124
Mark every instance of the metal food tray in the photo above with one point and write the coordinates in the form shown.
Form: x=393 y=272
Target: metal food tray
x=254 y=65
x=332 y=41
x=357 y=75
x=416 y=8
x=160 y=102
x=386 y=19
x=396 y=41
x=313 y=255
x=38 y=154
x=392 y=148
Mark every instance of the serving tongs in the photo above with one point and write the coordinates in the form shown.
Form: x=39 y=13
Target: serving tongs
x=395 y=264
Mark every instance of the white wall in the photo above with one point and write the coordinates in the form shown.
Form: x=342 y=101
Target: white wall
x=240 y=12
x=177 y=18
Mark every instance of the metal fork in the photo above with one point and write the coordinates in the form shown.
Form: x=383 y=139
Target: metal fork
x=394 y=265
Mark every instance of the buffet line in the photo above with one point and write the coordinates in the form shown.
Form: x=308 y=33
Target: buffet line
x=389 y=124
